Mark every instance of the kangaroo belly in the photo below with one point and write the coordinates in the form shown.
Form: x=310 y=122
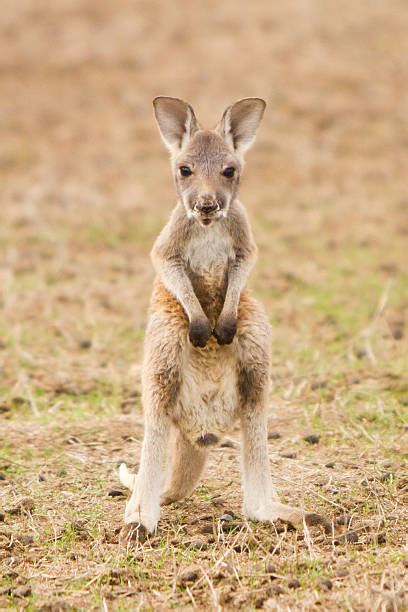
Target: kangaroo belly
x=208 y=399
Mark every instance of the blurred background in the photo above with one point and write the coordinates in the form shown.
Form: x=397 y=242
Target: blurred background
x=86 y=186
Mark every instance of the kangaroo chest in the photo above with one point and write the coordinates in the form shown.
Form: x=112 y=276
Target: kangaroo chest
x=209 y=250
x=207 y=255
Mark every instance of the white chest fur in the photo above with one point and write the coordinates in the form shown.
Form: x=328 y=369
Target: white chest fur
x=209 y=248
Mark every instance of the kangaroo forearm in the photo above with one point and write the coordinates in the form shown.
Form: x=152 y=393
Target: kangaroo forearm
x=176 y=281
x=237 y=277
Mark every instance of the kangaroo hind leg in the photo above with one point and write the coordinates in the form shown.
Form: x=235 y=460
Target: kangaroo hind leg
x=187 y=465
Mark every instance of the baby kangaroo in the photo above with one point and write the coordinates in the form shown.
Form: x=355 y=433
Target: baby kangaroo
x=207 y=345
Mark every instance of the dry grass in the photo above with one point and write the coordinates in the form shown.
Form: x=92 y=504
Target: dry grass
x=86 y=187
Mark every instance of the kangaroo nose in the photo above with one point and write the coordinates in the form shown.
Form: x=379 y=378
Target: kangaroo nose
x=208 y=207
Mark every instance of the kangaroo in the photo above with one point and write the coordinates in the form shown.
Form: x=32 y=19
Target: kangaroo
x=207 y=344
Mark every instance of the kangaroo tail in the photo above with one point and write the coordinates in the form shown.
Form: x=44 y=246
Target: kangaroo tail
x=126 y=478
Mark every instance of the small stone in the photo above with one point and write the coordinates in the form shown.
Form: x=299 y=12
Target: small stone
x=26 y=540
x=26 y=504
x=377 y=538
x=211 y=539
x=293 y=583
x=332 y=489
x=79 y=524
x=350 y=537
x=276 y=589
x=241 y=548
x=326 y=584
x=2 y=517
x=342 y=573
x=189 y=575
x=226 y=518
x=330 y=465
x=198 y=544
x=229 y=525
x=344 y=519
x=312 y=439
x=132 y=533
x=207 y=528
x=118 y=572
x=219 y=501
x=116 y=493
x=274 y=435
x=318 y=384
x=227 y=443
x=5 y=591
x=272 y=572
x=3 y=476
x=259 y=602
x=4 y=408
x=288 y=454
x=22 y=591
x=85 y=344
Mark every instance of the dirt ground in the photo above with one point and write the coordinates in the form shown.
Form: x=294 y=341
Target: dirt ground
x=85 y=188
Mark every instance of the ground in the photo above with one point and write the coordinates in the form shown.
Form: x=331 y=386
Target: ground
x=86 y=187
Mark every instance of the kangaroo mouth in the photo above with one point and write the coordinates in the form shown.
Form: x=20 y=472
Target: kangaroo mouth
x=206 y=220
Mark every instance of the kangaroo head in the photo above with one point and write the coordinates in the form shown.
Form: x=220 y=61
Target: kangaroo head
x=207 y=164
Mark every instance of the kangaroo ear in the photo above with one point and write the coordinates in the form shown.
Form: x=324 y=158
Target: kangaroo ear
x=176 y=120
x=239 y=123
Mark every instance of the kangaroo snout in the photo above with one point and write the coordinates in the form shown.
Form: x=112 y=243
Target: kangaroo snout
x=207 y=207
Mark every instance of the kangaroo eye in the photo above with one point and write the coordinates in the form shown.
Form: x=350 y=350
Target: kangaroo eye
x=228 y=172
x=185 y=171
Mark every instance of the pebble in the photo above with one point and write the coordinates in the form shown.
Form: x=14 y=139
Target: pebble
x=293 y=583
x=208 y=528
x=312 y=439
x=2 y=517
x=330 y=465
x=218 y=501
x=331 y=489
x=2 y=476
x=342 y=573
x=22 y=591
x=350 y=537
x=198 y=544
x=229 y=525
x=227 y=443
x=5 y=590
x=344 y=519
x=288 y=454
x=85 y=344
x=241 y=548
x=189 y=575
x=116 y=493
x=24 y=539
x=272 y=571
x=377 y=538
x=274 y=435
x=227 y=517
x=326 y=584
x=318 y=384
x=26 y=504
x=4 y=408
